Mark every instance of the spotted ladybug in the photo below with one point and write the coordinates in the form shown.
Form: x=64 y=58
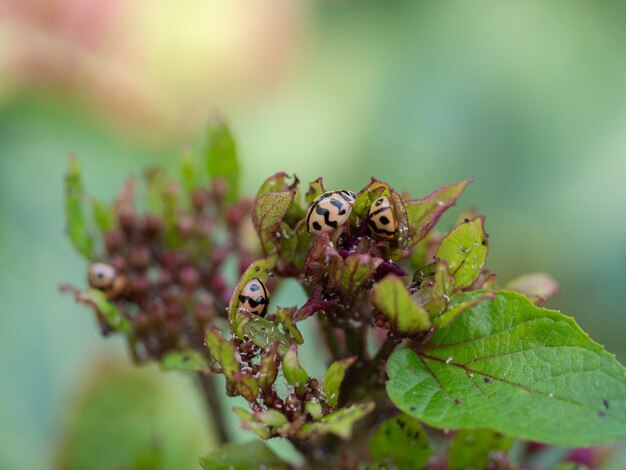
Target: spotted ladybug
x=381 y=218
x=254 y=297
x=105 y=277
x=329 y=211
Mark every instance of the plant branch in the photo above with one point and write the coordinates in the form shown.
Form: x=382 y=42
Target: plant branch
x=332 y=341
x=212 y=400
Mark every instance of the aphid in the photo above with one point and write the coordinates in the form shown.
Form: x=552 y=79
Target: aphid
x=106 y=278
x=254 y=297
x=381 y=218
x=329 y=211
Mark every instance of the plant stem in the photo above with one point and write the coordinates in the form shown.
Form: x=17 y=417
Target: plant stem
x=212 y=400
x=332 y=342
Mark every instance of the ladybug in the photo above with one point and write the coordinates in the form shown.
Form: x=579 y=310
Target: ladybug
x=329 y=211
x=254 y=297
x=105 y=277
x=381 y=218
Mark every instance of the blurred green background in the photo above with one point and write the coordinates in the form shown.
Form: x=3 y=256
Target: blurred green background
x=526 y=98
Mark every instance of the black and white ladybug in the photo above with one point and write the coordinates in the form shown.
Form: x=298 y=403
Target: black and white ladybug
x=254 y=297
x=329 y=211
x=105 y=277
x=381 y=218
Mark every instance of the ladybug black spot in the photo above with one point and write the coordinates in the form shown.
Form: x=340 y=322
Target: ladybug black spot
x=384 y=220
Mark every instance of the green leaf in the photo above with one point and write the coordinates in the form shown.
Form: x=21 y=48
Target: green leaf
x=400 y=442
x=348 y=275
x=274 y=184
x=424 y=213
x=448 y=316
x=537 y=286
x=250 y=422
x=292 y=370
x=187 y=359
x=243 y=456
x=314 y=408
x=340 y=422
x=188 y=172
x=103 y=215
x=472 y=448
x=316 y=189
x=258 y=269
x=438 y=293
x=246 y=386
x=368 y=195
x=220 y=155
x=391 y=297
x=223 y=352
x=111 y=314
x=333 y=379
x=173 y=238
x=272 y=418
x=268 y=370
x=285 y=316
x=268 y=213
x=157 y=190
x=121 y=417
x=514 y=368
x=465 y=251
x=263 y=332
x=294 y=246
x=74 y=211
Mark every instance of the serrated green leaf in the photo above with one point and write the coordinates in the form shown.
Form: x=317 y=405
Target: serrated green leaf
x=76 y=222
x=286 y=318
x=471 y=448
x=268 y=368
x=514 y=368
x=424 y=213
x=258 y=269
x=103 y=215
x=340 y=422
x=264 y=333
x=292 y=370
x=223 y=352
x=537 y=286
x=220 y=154
x=187 y=359
x=401 y=443
x=391 y=297
x=111 y=314
x=465 y=250
x=267 y=215
x=243 y=456
x=333 y=379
